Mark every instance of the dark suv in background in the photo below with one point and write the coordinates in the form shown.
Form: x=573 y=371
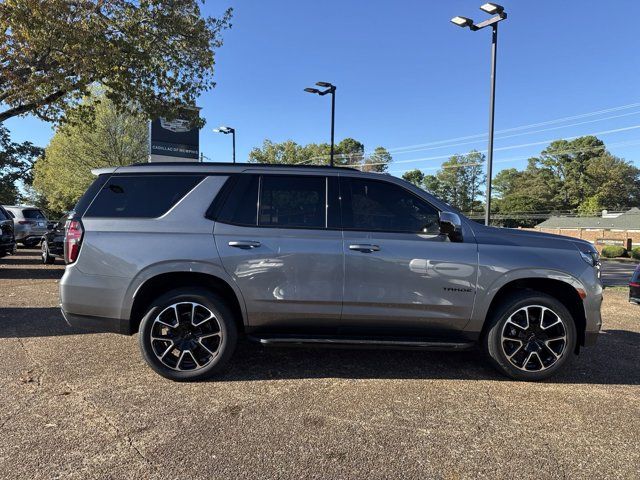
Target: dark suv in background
x=192 y=255
x=7 y=238
x=52 y=244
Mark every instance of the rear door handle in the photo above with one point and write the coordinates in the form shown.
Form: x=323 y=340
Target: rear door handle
x=244 y=244
x=364 y=247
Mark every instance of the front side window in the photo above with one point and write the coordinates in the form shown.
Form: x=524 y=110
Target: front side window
x=374 y=205
x=140 y=196
x=291 y=201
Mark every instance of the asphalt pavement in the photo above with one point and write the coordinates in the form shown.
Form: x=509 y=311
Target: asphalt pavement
x=79 y=405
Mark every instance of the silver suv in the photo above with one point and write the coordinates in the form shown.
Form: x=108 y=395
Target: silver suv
x=192 y=256
x=29 y=224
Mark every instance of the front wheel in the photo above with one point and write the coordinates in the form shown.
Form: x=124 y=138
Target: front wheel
x=531 y=336
x=188 y=334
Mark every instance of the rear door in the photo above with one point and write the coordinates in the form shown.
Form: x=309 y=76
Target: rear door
x=278 y=237
x=401 y=276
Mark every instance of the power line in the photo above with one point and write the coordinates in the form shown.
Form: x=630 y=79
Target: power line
x=521 y=127
x=515 y=159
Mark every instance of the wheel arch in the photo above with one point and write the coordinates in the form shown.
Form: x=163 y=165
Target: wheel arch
x=162 y=282
x=566 y=293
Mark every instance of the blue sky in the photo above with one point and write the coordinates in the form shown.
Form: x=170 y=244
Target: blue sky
x=408 y=77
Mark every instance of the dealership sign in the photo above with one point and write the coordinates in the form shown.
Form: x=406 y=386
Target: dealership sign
x=173 y=140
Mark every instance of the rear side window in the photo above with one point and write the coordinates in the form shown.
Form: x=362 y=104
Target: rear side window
x=90 y=194
x=289 y=201
x=33 y=214
x=141 y=196
x=3 y=215
x=241 y=206
x=373 y=205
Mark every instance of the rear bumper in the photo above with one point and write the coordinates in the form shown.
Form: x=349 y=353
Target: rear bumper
x=96 y=324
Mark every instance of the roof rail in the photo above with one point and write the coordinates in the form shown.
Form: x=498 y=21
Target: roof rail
x=229 y=164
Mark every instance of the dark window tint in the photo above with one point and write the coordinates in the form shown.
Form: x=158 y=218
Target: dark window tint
x=241 y=205
x=141 y=196
x=292 y=201
x=90 y=194
x=333 y=203
x=3 y=215
x=372 y=205
x=33 y=214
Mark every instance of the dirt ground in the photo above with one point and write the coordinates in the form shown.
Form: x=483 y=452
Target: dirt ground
x=78 y=405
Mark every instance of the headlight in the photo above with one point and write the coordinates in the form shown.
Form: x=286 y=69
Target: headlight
x=591 y=257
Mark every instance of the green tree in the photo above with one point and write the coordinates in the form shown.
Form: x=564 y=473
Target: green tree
x=378 y=161
x=414 y=176
x=113 y=138
x=458 y=181
x=348 y=152
x=159 y=53
x=16 y=160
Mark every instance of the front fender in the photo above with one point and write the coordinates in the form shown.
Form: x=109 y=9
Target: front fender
x=492 y=281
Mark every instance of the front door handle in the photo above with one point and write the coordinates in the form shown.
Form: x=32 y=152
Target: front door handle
x=364 y=247
x=244 y=244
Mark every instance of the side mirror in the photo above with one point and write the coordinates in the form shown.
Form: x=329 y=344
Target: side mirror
x=451 y=226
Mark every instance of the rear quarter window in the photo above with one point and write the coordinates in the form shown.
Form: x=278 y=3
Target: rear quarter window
x=140 y=196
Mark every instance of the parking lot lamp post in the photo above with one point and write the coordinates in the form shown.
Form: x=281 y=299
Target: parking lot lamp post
x=226 y=131
x=498 y=15
x=329 y=88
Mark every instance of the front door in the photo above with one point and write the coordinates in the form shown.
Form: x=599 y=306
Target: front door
x=278 y=238
x=401 y=276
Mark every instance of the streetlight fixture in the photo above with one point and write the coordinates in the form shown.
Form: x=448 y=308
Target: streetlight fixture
x=328 y=88
x=227 y=131
x=498 y=15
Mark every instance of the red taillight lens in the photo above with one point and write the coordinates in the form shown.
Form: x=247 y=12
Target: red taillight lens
x=26 y=222
x=72 y=240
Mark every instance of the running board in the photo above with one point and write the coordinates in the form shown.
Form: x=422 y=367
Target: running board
x=400 y=343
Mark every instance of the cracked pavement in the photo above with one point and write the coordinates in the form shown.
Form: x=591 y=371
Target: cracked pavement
x=79 y=405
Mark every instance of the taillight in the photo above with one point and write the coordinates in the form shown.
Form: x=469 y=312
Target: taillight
x=72 y=240
x=26 y=222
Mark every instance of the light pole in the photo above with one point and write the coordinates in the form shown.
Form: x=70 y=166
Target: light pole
x=329 y=88
x=498 y=15
x=226 y=131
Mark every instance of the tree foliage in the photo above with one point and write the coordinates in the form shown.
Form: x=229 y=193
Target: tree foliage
x=53 y=51
x=577 y=175
x=114 y=138
x=458 y=182
x=16 y=160
x=349 y=152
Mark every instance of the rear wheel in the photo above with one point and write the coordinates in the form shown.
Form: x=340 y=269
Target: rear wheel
x=188 y=334
x=46 y=256
x=531 y=336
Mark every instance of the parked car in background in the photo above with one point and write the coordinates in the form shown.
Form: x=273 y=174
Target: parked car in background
x=7 y=238
x=634 y=286
x=52 y=245
x=29 y=224
x=192 y=255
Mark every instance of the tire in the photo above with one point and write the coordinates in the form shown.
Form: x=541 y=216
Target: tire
x=210 y=342
x=47 y=259
x=536 y=352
